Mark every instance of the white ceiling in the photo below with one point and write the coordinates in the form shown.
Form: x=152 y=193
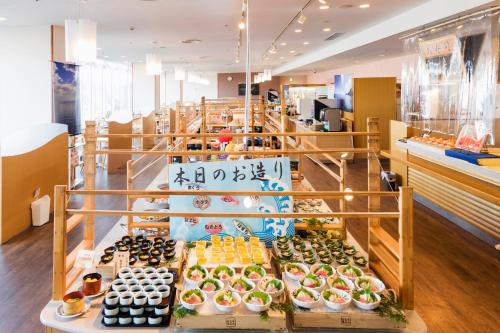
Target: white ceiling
x=213 y=21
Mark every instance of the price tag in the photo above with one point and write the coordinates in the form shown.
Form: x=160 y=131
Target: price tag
x=121 y=260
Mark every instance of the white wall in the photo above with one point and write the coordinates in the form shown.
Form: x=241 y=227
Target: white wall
x=379 y=68
x=143 y=90
x=25 y=77
x=193 y=92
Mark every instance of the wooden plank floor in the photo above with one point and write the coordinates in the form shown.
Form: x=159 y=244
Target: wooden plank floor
x=456 y=275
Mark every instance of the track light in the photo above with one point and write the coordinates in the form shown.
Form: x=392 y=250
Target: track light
x=302 y=18
x=273 y=49
x=241 y=25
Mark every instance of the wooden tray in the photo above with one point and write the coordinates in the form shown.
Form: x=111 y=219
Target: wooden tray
x=323 y=317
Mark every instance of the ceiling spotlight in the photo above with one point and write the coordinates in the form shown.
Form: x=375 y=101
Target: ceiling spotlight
x=306 y=43
x=281 y=58
x=3 y=18
x=322 y=1
x=283 y=44
x=292 y=51
x=241 y=25
x=273 y=49
x=460 y=26
x=290 y=79
x=364 y=6
x=298 y=30
x=237 y=61
x=324 y=7
x=326 y=29
x=302 y=18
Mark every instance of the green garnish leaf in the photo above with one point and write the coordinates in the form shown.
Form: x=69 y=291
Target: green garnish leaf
x=181 y=312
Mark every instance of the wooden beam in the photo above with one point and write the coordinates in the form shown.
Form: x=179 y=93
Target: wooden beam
x=60 y=244
x=185 y=152
x=384 y=238
x=89 y=177
x=73 y=222
x=406 y=247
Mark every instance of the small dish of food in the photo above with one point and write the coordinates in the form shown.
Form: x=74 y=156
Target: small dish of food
x=349 y=271
x=340 y=283
x=313 y=282
x=370 y=283
x=241 y=285
x=209 y=285
x=257 y=301
x=195 y=273
x=226 y=301
x=295 y=271
x=360 y=261
x=336 y=299
x=223 y=273
x=107 y=258
x=192 y=299
x=322 y=270
x=305 y=298
x=73 y=304
x=254 y=272
x=272 y=286
x=366 y=299
x=92 y=284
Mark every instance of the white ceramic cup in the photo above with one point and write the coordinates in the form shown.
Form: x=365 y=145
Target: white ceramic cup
x=127 y=276
x=154 y=320
x=140 y=298
x=117 y=283
x=145 y=282
x=153 y=276
x=137 y=311
x=132 y=282
x=111 y=320
x=124 y=320
x=124 y=271
x=122 y=289
x=154 y=298
x=162 y=270
x=149 y=289
x=159 y=282
x=140 y=277
x=139 y=320
x=149 y=270
x=112 y=298
x=137 y=270
x=168 y=277
x=111 y=311
x=126 y=298
x=135 y=290
x=164 y=291
x=161 y=311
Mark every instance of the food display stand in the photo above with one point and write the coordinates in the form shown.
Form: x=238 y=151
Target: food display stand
x=390 y=259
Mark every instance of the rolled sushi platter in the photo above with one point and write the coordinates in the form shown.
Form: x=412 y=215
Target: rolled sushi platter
x=142 y=251
x=329 y=285
x=230 y=296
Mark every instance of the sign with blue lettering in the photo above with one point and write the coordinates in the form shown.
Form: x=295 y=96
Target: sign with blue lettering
x=265 y=174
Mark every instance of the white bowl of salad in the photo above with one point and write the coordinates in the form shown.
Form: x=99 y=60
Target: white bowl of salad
x=366 y=299
x=192 y=299
x=241 y=285
x=305 y=297
x=336 y=299
x=223 y=273
x=296 y=271
x=322 y=270
x=254 y=273
x=340 y=283
x=349 y=271
x=257 y=301
x=272 y=286
x=370 y=283
x=195 y=274
x=226 y=301
x=312 y=281
x=209 y=286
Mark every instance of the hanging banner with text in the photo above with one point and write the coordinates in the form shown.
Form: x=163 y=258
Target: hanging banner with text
x=266 y=174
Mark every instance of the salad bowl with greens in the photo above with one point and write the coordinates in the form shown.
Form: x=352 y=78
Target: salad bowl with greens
x=195 y=274
x=370 y=283
x=253 y=272
x=257 y=301
x=322 y=270
x=305 y=297
x=296 y=271
x=241 y=285
x=223 y=273
x=226 y=301
x=313 y=282
x=340 y=283
x=366 y=299
x=192 y=299
x=272 y=286
x=209 y=286
x=336 y=299
x=349 y=271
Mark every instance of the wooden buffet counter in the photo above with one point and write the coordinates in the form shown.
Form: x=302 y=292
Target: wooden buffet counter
x=465 y=193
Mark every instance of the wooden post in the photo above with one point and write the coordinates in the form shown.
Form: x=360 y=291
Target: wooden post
x=130 y=186
x=342 y=187
x=183 y=129
x=299 y=168
x=406 y=247
x=60 y=244
x=283 y=116
x=373 y=168
x=203 y=125
x=89 y=180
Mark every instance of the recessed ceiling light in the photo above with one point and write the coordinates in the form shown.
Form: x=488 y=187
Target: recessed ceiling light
x=306 y=43
x=364 y=6
x=298 y=30
x=324 y=7
x=283 y=44
x=3 y=18
x=241 y=25
x=123 y=56
x=381 y=55
x=282 y=58
x=326 y=29
x=322 y=1
x=292 y=51
x=345 y=6
x=237 y=61
x=191 y=41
